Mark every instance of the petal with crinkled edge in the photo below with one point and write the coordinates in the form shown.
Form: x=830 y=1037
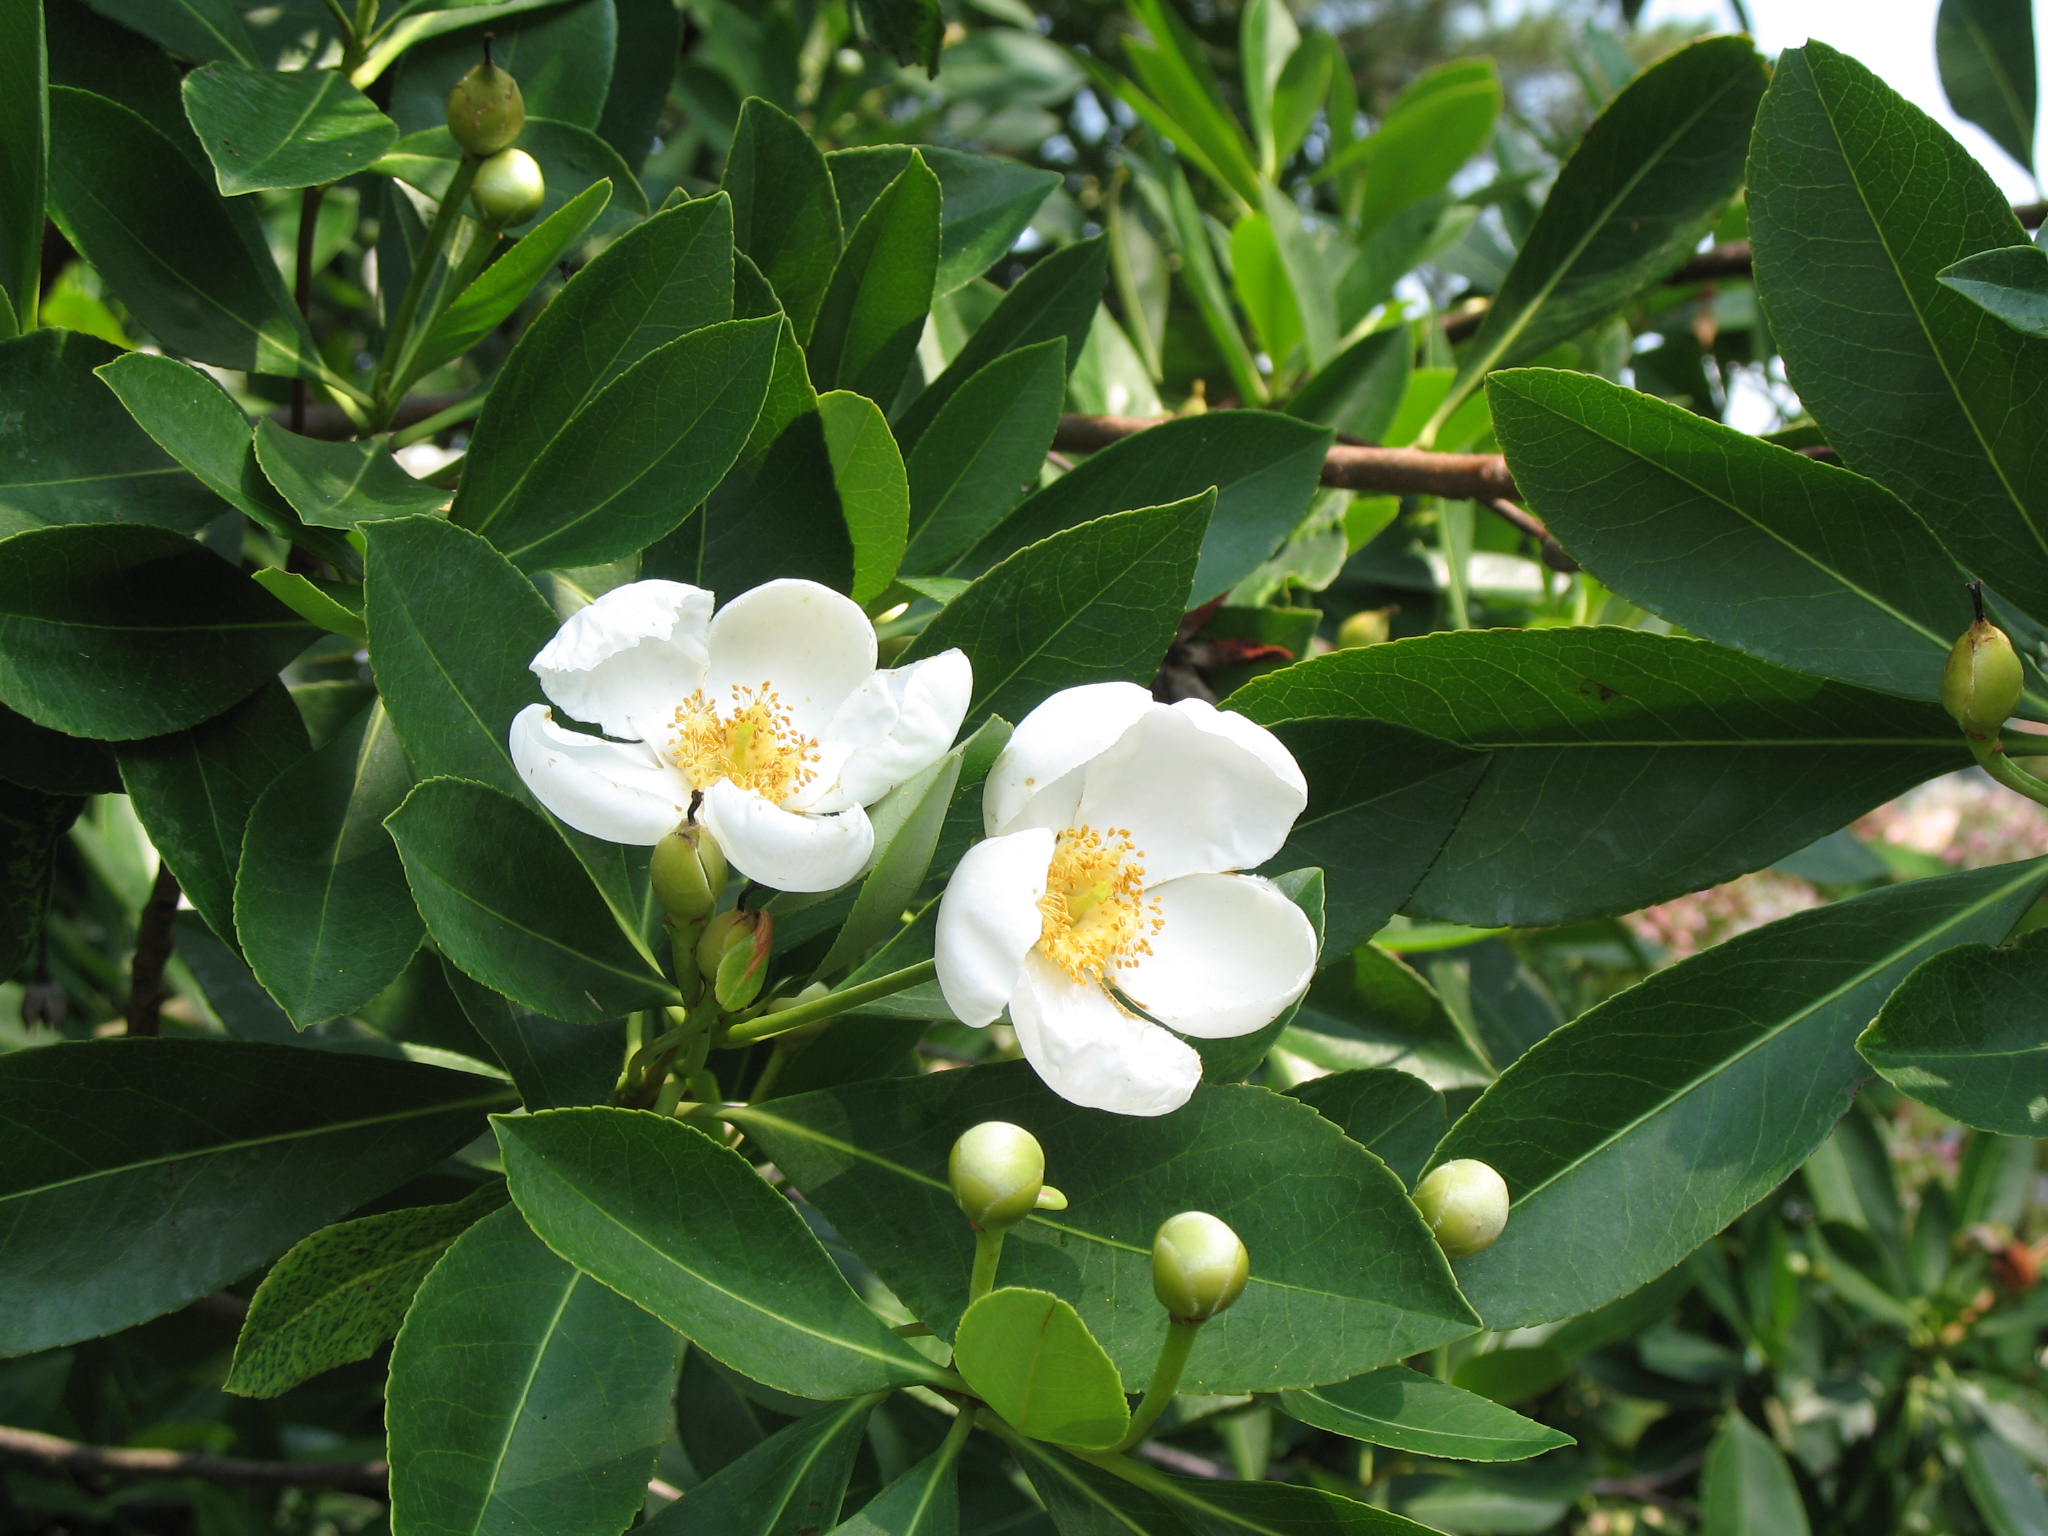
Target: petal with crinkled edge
x=809 y=643
x=625 y=661
x=1033 y=782
x=923 y=705
x=1091 y=1052
x=788 y=850
x=1197 y=797
x=1231 y=955
x=621 y=791
x=988 y=922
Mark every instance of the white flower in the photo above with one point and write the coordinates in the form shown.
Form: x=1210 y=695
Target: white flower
x=1103 y=891
x=771 y=711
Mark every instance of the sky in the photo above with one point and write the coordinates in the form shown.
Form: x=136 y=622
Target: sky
x=1894 y=38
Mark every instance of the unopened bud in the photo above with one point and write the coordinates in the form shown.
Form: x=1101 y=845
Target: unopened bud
x=733 y=956
x=1983 y=680
x=1199 y=1266
x=485 y=110
x=509 y=189
x=688 y=873
x=1368 y=626
x=1466 y=1205
x=998 y=1173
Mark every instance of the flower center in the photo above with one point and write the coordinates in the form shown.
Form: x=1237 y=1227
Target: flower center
x=752 y=741
x=1096 y=914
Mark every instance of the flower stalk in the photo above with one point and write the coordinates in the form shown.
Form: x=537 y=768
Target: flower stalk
x=768 y=1025
x=1165 y=1383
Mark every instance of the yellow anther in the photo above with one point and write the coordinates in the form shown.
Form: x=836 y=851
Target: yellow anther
x=1096 y=917
x=752 y=741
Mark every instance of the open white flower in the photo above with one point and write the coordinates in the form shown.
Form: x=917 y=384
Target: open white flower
x=1103 y=897
x=768 y=718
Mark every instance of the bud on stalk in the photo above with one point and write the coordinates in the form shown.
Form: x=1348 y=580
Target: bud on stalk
x=486 y=110
x=688 y=872
x=733 y=956
x=1199 y=1266
x=998 y=1173
x=509 y=189
x=1983 y=680
x=1465 y=1203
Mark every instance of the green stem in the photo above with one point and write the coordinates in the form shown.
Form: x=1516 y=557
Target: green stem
x=988 y=1253
x=956 y=1435
x=831 y=1005
x=398 y=337
x=1173 y=1359
x=1991 y=757
x=439 y=422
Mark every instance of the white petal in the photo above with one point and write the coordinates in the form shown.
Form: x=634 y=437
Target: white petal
x=627 y=660
x=787 y=850
x=1029 y=780
x=988 y=921
x=898 y=724
x=620 y=791
x=1197 y=794
x=1233 y=954
x=1094 y=1054
x=813 y=646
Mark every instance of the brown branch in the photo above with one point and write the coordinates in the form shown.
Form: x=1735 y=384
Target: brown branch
x=154 y=935
x=53 y=1454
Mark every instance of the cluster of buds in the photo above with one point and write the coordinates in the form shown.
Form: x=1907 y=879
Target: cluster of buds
x=486 y=114
x=722 y=953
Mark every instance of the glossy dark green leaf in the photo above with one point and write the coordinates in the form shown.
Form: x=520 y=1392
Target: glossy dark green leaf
x=1746 y=1488
x=1626 y=767
x=874 y=308
x=556 y=1064
x=924 y=1501
x=785 y=214
x=982 y=453
x=31 y=824
x=1091 y=604
x=70 y=454
x=524 y=1395
x=1740 y=541
x=115 y=630
x=1343 y=1280
x=911 y=30
x=1372 y=1010
x=192 y=29
x=267 y=128
x=1359 y=390
x=1405 y=1410
x=1643 y=1101
x=2010 y=282
x=793 y=1479
x=1028 y=1355
x=874 y=489
x=684 y=1226
x=321 y=905
x=1985 y=50
x=1858 y=201
x=193 y=269
x=341 y=485
x=507 y=903
x=984 y=203
x=339 y=1294
x=571 y=157
x=35 y=757
x=1265 y=468
x=1637 y=193
x=145 y=1173
x=1964 y=1035
x=24 y=169
x=1396 y=1116
x=659 y=281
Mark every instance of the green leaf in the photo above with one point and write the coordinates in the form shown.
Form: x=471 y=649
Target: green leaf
x=334 y=606
x=321 y=905
x=2010 y=282
x=874 y=308
x=1264 y=467
x=1625 y=767
x=32 y=824
x=1746 y=1488
x=1963 y=1034
x=1985 y=50
x=506 y=902
x=982 y=452
x=115 y=630
x=984 y=203
x=1186 y=100
x=143 y=1174
x=1198 y=264
x=266 y=128
x=523 y=1395
x=1628 y=206
x=572 y=159
x=1858 y=201
x=1268 y=38
x=1837 y=576
x=785 y=213
x=1028 y=1355
x=192 y=29
x=1092 y=604
x=874 y=490
x=36 y=758
x=1397 y=1117
x=661 y=280
x=682 y=1225
x=1750 y=1045
x=194 y=790
x=1359 y=390
x=70 y=454
x=1434 y=126
x=1372 y=1010
x=634 y=462
x=795 y=1478
x=911 y=30
x=339 y=1294
x=556 y=1064
x=1405 y=1410
x=193 y=269
x=24 y=169
x=342 y=485
x=924 y=1501
x=2001 y=1485
x=1342 y=1281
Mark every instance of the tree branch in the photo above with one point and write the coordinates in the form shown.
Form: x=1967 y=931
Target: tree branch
x=154 y=935
x=54 y=1454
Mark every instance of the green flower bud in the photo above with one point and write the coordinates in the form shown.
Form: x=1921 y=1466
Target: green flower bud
x=733 y=956
x=688 y=872
x=1199 y=1266
x=1368 y=626
x=485 y=110
x=1466 y=1205
x=509 y=189
x=1983 y=679
x=998 y=1173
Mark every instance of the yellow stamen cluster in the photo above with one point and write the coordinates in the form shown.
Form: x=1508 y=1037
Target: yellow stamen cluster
x=753 y=742
x=1096 y=914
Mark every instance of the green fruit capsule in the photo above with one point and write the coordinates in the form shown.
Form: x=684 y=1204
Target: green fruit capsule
x=486 y=110
x=998 y=1173
x=509 y=188
x=1983 y=680
x=1466 y=1205
x=1199 y=1266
